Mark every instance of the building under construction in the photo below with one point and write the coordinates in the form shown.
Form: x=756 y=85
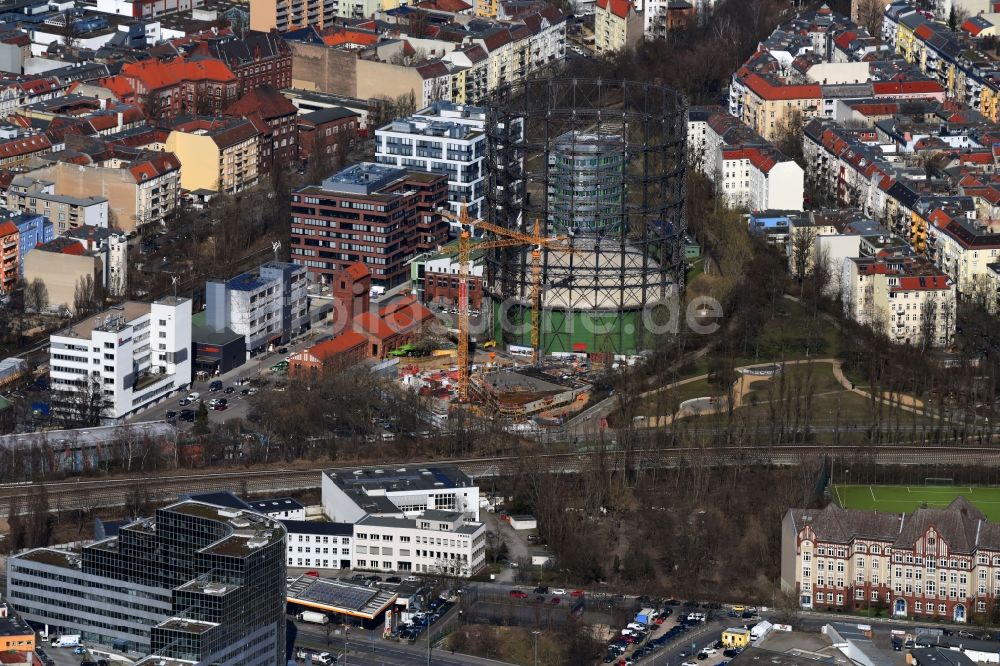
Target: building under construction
x=602 y=163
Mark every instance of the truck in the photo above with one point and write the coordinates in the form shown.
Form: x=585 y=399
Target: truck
x=66 y=640
x=645 y=616
x=313 y=617
x=324 y=658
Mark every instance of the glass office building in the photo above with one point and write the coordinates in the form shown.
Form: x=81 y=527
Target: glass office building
x=196 y=582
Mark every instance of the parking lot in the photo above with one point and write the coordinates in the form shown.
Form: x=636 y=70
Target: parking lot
x=68 y=656
x=689 y=636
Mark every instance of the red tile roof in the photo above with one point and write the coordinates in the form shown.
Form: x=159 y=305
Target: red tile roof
x=344 y=342
x=767 y=90
x=619 y=8
x=345 y=36
x=445 y=5
x=906 y=87
x=155 y=74
x=8 y=228
x=264 y=100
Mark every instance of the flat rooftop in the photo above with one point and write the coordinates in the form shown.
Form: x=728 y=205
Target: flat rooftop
x=363 y=178
x=13 y=625
x=249 y=530
x=334 y=596
x=190 y=626
x=399 y=479
x=111 y=319
x=58 y=558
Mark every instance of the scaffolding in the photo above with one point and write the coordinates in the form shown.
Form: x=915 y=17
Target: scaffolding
x=601 y=162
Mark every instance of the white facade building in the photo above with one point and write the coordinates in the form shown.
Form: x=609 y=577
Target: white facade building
x=747 y=170
x=280 y=508
x=907 y=298
x=408 y=518
x=350 y=495
x=122 y=359
x=433 y=542
x=444 y=138
x=318 y=545
x=266 y=306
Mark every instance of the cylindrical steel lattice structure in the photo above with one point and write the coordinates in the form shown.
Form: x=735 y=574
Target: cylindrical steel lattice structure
x=601 y=162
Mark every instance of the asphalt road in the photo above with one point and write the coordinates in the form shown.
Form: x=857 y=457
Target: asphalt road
x=259 y=366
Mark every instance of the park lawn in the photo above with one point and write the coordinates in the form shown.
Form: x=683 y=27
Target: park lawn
x=854 y=410
x=696 y=269
x=904 y=499
x=661 y=402
x=793 y=333
x=817 y=375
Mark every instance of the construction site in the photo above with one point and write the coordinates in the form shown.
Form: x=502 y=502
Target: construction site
x=582 y=240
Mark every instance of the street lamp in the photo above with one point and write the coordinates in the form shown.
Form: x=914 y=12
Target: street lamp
x=534 y=638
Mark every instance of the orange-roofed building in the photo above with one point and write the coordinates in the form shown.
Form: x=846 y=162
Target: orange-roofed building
x=168 y=88
x=618 y=26
x=10 y=239
x=347 y=349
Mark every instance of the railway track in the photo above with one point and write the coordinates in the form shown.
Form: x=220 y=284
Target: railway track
x=94 y=493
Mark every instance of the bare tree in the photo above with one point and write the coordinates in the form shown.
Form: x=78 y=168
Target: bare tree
x=87 y=297
x=869 y=14
x=36 y=296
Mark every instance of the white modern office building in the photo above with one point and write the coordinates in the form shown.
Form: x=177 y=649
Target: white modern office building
x=421 y=519
x=265 y=306
x=121 y=360
x=404 y=492
x=443 y=138
x=314 y=544
x=435 y=542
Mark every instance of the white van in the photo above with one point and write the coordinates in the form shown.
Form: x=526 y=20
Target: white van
x=67 y=640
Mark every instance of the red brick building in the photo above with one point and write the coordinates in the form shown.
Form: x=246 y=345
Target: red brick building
x=260 y=58
x=370 y=213
x=326 y=129
x=267 y=104
x=929 y=564
x=169 y=88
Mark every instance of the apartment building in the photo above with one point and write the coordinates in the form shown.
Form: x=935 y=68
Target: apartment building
x=907 y=298
x=443 y=138
x=10 y=243
x=169 y=88
x=284 y=15
x=121 y=360
x=928 y=564
x=963 y=248
x=140 y=188
x=266 y=105
x=618 y=26
x=266 y=306
x=28 y=194
x=748 y=171
x=254 y=58
x=324 y=131
x=33 y=230
x=369 y=213
x=364 y=64
x=662 y=16
x=217 y=154
x=435 y=542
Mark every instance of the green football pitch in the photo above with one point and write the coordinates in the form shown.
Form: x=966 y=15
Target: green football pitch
x=904 y=499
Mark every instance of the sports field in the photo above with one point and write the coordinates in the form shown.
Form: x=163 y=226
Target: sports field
x=903 y=499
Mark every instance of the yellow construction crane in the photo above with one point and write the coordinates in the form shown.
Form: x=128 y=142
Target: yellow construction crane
x=510 y=238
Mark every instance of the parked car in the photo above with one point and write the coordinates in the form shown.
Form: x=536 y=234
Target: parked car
x=541 y=589
x=518 y=594
x=576 y=594
x=184 y=402
x=394 y=579
x=556 y=600
x=215 y=386
x=558 y=590
x=171 y=414
x=194 y=396
x=230 y=389
x=221 y=407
